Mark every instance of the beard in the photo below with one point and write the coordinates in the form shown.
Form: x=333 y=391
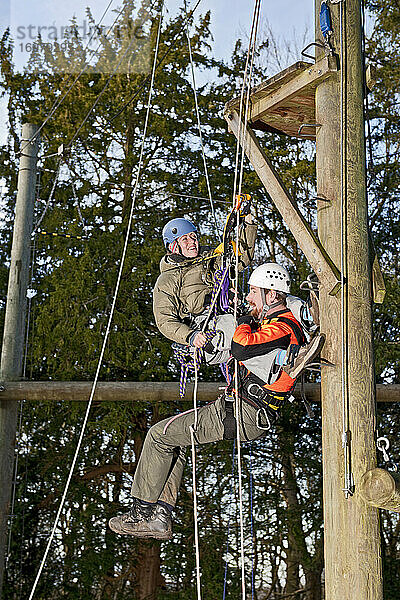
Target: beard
x=254 y=311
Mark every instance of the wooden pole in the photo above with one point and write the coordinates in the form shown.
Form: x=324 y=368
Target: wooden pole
x=14 y=324
x=143 y=391
x=351 y=527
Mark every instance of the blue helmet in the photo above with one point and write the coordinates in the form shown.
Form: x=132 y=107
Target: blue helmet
x=175 y=229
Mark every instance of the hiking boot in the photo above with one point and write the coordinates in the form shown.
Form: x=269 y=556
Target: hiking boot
x=144 y=521
x=305 y=356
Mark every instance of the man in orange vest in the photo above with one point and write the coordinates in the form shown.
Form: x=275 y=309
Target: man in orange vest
x=258 y=342
x=271 y=343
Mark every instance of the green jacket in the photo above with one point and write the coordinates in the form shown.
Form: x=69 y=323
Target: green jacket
x=184 y=286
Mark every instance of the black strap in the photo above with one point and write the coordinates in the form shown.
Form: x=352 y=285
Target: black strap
x=298 y=333
x=229 y=421
x=307 y=405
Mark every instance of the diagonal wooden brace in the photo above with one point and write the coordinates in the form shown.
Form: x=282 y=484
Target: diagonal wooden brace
x=326 y=271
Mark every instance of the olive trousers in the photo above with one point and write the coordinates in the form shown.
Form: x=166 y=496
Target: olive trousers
x=160 y=466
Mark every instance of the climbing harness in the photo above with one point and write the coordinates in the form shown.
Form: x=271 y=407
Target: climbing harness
x=267 y=402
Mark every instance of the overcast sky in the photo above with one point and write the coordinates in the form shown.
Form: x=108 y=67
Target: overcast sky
x=230 y=18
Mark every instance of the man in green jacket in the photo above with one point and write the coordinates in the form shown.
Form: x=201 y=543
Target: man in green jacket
x=182 y=293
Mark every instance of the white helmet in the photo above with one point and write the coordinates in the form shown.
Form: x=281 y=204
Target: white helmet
x=271 y=276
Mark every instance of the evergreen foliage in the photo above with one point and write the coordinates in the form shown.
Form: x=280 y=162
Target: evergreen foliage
x=382 y=51
x=75 y=280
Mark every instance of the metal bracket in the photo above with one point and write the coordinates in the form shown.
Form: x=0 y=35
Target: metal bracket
x=318 y=44
x=315 y=198
x=307 y=125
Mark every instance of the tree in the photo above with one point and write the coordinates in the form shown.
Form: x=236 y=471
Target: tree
x=75 y=279
x=382 y=50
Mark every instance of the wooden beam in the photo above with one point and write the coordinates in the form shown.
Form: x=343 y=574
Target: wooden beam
x=12 y=350
x=326 y=271
x=381 y=489
x=378 y=282
x=143 y=391
x=306 y=78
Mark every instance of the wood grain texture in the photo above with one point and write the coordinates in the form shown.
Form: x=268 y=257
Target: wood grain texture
x=381 y=488
x=352 y=541
x=143 y=391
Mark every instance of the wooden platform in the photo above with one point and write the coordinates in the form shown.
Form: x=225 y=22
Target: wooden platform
x=286 y=101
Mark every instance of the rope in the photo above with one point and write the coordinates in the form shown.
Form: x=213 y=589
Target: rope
x=229 y=522
x=214 y=297
x=188 y=360
x=199 y=126
x=251 y=520
x=43 y=561
x=193 y=428
x=246 y=81
x=14 y=483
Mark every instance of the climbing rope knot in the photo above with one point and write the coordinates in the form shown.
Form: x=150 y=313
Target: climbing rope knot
x=190 y=359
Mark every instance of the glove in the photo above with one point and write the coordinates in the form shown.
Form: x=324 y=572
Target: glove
x=245 y=208
x=243 y=204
